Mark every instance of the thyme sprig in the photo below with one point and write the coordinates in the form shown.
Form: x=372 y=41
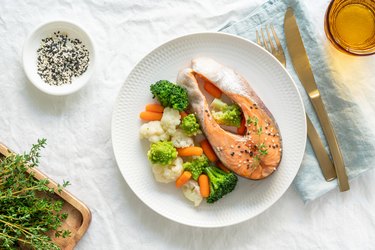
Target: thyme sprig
x=263 y=149
x=26 y=215
x=261 y=146
x=253 y=120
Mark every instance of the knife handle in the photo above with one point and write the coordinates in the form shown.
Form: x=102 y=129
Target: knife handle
x=321 y=154
x=331 y=140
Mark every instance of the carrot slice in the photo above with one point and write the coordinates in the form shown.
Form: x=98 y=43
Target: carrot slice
x=208 y=151
x=208 y=86
x=183 y=114
x=190 y=151
x=150 y=116
x=242 y=129
x=155 y=107
x=222 y=167
x=185 y=177
x=204 y=185
x=212 y=89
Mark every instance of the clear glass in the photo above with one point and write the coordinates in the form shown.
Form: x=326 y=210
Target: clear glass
x=350 y=26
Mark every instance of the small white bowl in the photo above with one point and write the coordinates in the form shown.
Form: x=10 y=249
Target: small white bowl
x=30 y=56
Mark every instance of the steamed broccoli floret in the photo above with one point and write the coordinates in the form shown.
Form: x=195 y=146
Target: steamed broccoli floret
x=162 y=153
x=190 y=125
x=196 y=166
x=226 y=114
x=170 y=95
x=221 y=183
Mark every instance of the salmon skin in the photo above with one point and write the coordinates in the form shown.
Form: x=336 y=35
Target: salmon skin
x=255 y=155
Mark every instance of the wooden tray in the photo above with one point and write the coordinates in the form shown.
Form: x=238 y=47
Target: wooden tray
x=79 y=215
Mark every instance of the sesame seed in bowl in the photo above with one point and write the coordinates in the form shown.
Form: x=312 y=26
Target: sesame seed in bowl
x=58 y=57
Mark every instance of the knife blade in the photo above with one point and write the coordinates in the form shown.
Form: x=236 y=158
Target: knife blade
x=302 y=67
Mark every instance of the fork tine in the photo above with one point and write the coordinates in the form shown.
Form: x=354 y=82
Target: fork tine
x=258 y=39
x=279 y=52
x=270 y=40
x=278 y=44
x=264 y=39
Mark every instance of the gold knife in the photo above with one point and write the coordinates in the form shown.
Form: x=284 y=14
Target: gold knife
x=321 y=154
x=302 y=67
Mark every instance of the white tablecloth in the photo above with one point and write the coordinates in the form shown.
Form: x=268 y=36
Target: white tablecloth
x=78 y=130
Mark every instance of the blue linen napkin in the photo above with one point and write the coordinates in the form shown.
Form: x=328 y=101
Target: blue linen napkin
x=353 y=133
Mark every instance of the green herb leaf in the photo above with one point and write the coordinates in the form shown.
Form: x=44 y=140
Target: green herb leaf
x=25 y=213
x=253 y=120
x=263 y=149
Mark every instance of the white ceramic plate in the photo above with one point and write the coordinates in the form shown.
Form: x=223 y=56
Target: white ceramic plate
x=266 y=76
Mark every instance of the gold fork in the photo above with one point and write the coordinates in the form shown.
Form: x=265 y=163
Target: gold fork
x=273 y=45
x=277 y=51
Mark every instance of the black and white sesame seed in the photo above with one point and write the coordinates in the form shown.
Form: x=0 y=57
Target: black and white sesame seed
x=60 y=58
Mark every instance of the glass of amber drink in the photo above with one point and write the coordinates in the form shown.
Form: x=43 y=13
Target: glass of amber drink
x=350 y=26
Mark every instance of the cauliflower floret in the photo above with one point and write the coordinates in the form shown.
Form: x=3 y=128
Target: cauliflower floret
x=192 y=192
x=153 y=132
x=170 y=120
x=181 y=140
x=168 y=173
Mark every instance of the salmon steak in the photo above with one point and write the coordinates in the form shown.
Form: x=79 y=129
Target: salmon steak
x=254 y=155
